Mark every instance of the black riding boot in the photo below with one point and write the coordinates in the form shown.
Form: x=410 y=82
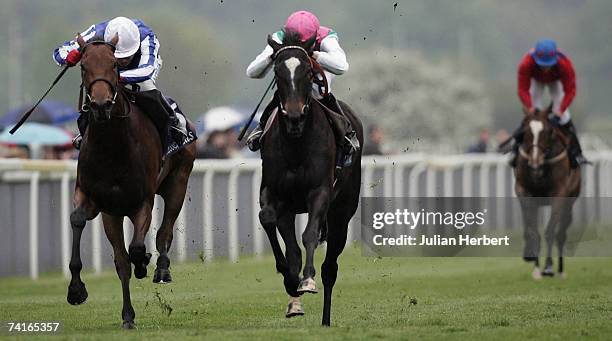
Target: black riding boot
x=574 y=148
x=350 y=143
x=517 y=136
x=254 y=139
x=161 y=113
x=82 y=123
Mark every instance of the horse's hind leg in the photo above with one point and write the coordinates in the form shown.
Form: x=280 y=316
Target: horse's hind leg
x=114 y=232
x=173 y=191
x=85 y=210
x=138 y=252
x=318 y=203
x=336 y=240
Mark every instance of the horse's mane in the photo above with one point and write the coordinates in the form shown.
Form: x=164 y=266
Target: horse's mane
x=292 y=38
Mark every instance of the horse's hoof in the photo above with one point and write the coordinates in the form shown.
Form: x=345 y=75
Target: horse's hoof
x=294 y=308
x=536 y=274
x=562 y=275
x=530 y=259
x=77 y=294
x=162 y=276
x=140 y=271
x=128 y=325
x=308 y=285
x=548 y=272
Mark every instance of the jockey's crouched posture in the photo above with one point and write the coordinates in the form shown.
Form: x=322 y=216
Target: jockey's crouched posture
x=546 y=67
x=139 y=62
x=329 y=54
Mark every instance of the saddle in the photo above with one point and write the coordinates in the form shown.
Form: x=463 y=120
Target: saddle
x=150 y=101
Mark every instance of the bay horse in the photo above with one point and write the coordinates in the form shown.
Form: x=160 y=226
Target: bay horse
x=119 y=172
x=298 y=160
x=544 y=177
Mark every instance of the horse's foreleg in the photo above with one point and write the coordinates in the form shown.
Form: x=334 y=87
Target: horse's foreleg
x=566 y=220
x=531 y=235
x=114 y=232
x=293 y=256
x=555 y=214
x=138 y=252
x=318 y=203
x=85 y=210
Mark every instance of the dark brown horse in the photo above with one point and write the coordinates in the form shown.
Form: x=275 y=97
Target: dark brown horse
x=299 y=154
x=119 y=172
x=544 y=177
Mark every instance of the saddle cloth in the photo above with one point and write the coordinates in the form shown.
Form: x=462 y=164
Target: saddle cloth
x=175 y=140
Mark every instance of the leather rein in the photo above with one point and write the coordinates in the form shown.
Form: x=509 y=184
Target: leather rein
x=85 y=107
x=315 y=69
x=549 y=161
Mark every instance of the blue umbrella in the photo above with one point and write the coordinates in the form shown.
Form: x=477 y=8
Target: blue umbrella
x=37 y=133
x=48 y=111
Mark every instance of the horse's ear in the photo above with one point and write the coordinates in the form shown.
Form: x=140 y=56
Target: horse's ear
x=310 y=43
x=80 y=40
x=115 y=39
x=550 y=108
x=275 y=46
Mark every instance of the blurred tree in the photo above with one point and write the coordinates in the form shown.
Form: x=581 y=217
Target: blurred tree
x=412 y=98
x=195 y=70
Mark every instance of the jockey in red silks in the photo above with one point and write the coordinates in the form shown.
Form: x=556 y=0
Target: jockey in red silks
x=327 y=52
x=138 y=61
x=547 y=67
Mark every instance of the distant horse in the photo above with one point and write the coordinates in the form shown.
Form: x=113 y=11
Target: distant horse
x=544 y=177
x=118 y=174
x=299 y=154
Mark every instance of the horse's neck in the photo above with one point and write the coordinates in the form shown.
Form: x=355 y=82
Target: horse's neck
x=296 y=151
x=557 y=146
x=113 y=133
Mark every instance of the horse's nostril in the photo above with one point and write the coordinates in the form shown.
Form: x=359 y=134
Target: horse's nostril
x=108 y=103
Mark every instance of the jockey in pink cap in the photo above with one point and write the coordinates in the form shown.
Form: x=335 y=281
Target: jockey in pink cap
x=327 y=52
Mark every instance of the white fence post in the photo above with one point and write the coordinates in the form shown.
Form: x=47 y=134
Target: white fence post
x=232 y=210
x=65 y=222
x=207 y=215
x=258 y=247
x=96 y=244
x=181 y=234
x=34 y=180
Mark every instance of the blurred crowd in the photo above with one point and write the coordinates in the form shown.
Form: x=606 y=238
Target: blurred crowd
x=218 y=130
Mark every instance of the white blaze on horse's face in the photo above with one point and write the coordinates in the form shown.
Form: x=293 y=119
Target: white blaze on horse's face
x=536 y=128
x=292 y=64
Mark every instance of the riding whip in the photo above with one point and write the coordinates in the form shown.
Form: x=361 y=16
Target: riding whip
x=246 y=126
x=27 y=114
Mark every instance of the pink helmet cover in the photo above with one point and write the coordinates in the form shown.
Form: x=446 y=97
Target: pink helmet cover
x=304 y=23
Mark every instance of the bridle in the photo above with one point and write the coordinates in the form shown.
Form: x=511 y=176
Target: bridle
x=315 y=68
x=85 y=107
x=525 y=153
